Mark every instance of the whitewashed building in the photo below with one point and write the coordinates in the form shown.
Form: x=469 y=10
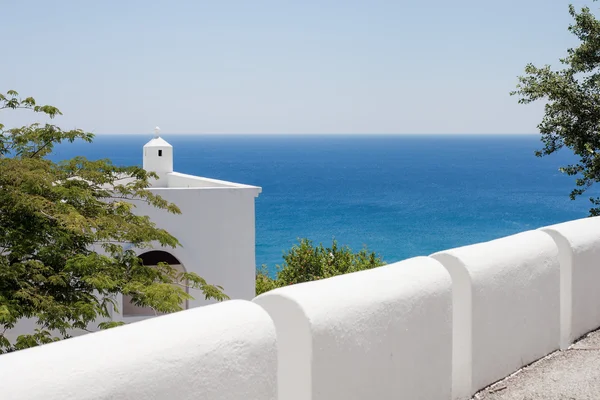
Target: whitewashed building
x=216 y=229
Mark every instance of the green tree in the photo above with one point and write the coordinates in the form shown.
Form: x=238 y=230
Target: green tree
x=63 y=227
x=572 y=103
x=305 y=262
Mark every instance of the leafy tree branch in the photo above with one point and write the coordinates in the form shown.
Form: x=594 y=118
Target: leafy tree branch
x=63 y=228
x=572 y=103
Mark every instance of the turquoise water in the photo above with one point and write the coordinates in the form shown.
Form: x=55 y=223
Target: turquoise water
x=402 y=195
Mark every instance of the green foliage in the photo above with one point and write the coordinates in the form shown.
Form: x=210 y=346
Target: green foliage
x=63 y=230
x=305 y=262
x=572 y=103
x=264 y=282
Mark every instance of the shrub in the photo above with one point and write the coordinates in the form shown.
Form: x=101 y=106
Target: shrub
x=305 y=262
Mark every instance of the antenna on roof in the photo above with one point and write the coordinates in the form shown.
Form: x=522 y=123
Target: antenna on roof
x=156 y=132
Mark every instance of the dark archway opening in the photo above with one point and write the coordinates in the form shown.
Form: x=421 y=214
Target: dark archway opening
x=152 y=258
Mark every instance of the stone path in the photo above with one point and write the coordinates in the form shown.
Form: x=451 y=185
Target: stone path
x=572 y=374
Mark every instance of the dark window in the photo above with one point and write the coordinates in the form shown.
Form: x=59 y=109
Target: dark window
x=160 y=153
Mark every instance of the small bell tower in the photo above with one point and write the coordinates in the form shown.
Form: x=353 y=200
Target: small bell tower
x=158 y=157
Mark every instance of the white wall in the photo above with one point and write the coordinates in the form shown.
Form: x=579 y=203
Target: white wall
x=179 y=180
x=579 y=252
x=217 y=234
x=161 y=165
x=367 y=335
x=225 y=351
x=462 y=318
x=506 y=307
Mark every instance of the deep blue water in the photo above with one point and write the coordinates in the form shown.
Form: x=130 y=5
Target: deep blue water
x=402 y=195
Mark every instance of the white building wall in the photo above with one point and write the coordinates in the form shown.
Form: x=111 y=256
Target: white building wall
x=217 y=234
x=157 y=157
x=179 y=180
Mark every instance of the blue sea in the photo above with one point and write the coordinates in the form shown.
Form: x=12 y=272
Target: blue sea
x=400 y=195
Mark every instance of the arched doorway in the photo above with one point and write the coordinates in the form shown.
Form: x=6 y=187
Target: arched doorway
x=152 y=258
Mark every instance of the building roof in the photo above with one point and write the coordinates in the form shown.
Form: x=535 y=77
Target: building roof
x=157 y=142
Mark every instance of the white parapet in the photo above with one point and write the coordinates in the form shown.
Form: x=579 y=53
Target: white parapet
x=225 y=351
x=579 y=253
x=378 y=334
x=505 y=307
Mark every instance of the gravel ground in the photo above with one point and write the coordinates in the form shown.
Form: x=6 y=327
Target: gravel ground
x=572 y=374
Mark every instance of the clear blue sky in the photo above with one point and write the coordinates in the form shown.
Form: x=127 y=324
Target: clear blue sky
x=273 y=66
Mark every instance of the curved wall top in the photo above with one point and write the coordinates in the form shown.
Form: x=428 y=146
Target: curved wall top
x=366 y=334
x=505 y=307
x=579 y=252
